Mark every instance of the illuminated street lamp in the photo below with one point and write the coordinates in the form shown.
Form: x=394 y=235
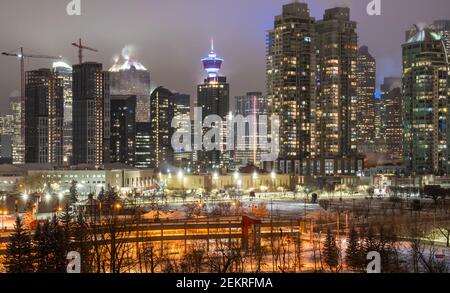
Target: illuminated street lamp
x=307 y=191
x=3 y=214
x=180 y=177
x=273 y=176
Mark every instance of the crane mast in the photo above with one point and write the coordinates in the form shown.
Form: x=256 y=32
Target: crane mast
x=82 y=47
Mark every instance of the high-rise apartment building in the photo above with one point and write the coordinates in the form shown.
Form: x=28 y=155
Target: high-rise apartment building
x=426 y=130
x=378 y=123
x=338 y=44
x=181 y=104
x=123 y=129
x=18 y=139
x=365 y=105
x=161 y=115
x=291 y=83
x=312 y=86
x=91 y=114
x=44 y=117
x=6 y=135
x=392 y=116
x=253 y=104
x=143 y=154
x=443 y=28
x=64 y=72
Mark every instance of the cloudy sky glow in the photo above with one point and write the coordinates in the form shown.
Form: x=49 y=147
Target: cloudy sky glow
x=171 y=36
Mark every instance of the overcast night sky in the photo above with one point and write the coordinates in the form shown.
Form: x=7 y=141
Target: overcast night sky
x=171 y=36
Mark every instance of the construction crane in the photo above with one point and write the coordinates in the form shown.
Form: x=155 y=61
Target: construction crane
x=22 y=57
x=81 y=47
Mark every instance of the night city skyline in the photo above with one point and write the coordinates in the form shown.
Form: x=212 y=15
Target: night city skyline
x=265 y=138
x=154 y=35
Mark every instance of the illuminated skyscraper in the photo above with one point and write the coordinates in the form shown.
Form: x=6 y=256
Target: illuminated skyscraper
x=143 y=145
x=44 y=117
x=291 y=83
x=123 y=129
x=18 y=140
x=253 y=104
x=132 y=78
x=443 y=28
x=392 y=116
x=161 y=115
x=379 y=134
x=64 y=72
x=7 y=124
x=426 y=130
x=91 y=114
x=213 y=96
x=365 y=107
x=181 y=104
x=338 y=43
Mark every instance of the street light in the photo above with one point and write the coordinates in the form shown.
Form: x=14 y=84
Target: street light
x=307 y=190
x=3 y=214
x=180 y=176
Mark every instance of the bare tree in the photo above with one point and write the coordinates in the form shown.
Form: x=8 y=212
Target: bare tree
x=151 y=260
x=194 y=260
x=112 y=249
x=224 y=256
x=445 y=231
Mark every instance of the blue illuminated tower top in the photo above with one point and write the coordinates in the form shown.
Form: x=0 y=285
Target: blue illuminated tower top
x=212 y=64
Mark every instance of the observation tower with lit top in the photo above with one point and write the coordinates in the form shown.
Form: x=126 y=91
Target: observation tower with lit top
x=213 y=96
x=212 y=63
